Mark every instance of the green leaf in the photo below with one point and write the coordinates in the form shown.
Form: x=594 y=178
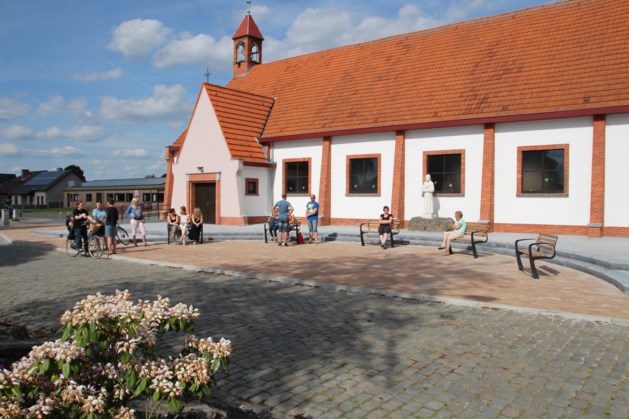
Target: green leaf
x=66 y=369
x=16 y=391
x=156 y=396
x=45 y=365
x=67 y=333
x=216 y=364
x=140 y=388
x=174 y=404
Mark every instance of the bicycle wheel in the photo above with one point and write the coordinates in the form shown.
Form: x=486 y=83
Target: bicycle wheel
x=122 y=235
x=96 y=246
x=71 y=249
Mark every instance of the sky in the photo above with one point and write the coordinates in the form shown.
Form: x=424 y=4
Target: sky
x=107 y=85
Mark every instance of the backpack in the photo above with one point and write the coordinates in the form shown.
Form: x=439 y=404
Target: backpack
x=300 y=238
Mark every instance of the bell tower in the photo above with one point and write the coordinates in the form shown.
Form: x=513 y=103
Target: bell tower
x=247 y=45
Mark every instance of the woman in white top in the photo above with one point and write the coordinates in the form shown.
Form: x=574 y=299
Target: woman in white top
x=184 y=219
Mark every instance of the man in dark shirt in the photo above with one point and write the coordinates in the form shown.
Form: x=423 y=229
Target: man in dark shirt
x=81 y=215
x=111 y=220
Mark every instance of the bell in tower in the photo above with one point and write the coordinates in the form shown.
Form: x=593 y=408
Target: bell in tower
x=247 y=45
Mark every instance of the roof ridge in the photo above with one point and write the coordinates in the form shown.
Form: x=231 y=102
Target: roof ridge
x=238 y=91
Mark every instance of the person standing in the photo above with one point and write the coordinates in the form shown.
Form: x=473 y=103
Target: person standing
x=80 y=216
x=136 y=218
x=111 y=222
x=458 y=231
x=385 y=226
x=98 y=214
x=284 y=211
x=312 y=214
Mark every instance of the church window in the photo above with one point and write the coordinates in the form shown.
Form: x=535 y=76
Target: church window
x=251 y=186
x=297 y=176
x=240 y=52
x=255 y=53
x=363 y=174
x=446 y=169
x=543 y=170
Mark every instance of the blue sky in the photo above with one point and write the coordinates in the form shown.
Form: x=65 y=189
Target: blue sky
x=106 y=85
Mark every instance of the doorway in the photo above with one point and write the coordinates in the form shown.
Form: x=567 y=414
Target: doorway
x=205 y=198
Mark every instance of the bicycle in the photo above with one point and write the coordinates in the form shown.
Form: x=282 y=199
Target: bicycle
x=95 y=245
x=121 y=235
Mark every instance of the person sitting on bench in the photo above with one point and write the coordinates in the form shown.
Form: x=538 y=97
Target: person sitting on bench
x=458 y=231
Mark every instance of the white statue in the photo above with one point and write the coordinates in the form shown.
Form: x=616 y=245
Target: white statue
x=428 y=188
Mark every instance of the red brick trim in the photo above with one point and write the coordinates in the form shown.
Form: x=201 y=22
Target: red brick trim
x=597 y=203
x=566 y=172
x=397 y=198
x=616 y=231
x=306 y=159
x=348 y=158
x=542 y=228
x=438 y=152
x=488 y=178
x=253 y=180
x=195 y=178
x=325 y=182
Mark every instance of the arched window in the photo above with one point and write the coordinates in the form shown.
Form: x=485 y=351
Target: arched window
x=240 y=52
x=255 y=53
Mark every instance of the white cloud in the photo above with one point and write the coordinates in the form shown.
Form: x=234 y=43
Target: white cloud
x=136 y=38
x=166 y=103
x=320 y=29
x=85 y=133
x=8 y=148
x=138 y=152
x=17 y=132
x=111 y=74
x=201 y=50
x=12 y=109
x=64 y=151
x=260 y=12
x=57 y=105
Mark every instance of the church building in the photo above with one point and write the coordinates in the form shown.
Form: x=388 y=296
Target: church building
x=521 y=119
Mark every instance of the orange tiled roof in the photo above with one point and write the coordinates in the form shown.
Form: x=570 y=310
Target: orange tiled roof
x=248 y=27
x=180 y=140
x=242 y=117
x=565 y=56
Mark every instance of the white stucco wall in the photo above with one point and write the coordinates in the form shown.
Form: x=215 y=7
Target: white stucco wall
x=616 y=171
x=362 y=207
x=256 y=205
x=571 y=210
x=205 y=146
x=469 y=139
x=299 y=149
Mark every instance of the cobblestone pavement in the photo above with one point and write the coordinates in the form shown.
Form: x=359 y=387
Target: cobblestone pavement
x=325 y=354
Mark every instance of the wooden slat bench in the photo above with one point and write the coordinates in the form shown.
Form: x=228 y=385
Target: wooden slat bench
x=371 y=227
x=475 y=233
x=543 y=247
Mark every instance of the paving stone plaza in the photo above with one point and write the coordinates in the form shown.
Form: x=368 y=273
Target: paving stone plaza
x=325 y=353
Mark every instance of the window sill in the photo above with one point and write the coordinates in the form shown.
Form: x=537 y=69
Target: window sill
x=362 y=194
x=448 y=195
x=542 y=195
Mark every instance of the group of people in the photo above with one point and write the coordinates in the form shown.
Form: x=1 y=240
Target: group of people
x=182 y=223
x=282 y=220
x=107 y=218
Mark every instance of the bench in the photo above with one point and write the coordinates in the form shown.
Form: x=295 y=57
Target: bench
x=371 y=227
x=177 y=234
x=475 y=233
x=294 y=226
x=543 y=247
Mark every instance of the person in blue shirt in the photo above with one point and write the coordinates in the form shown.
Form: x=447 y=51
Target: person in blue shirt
x=98 y=214
x=284 y=211
x=458 y=230
x=136 y=218
x=312 y=213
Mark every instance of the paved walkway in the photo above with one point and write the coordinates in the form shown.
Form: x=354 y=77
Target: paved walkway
x=410 y=271
x=313 y=352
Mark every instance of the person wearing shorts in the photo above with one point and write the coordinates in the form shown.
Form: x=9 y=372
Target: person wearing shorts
x=312 y=213
x=458 y=231
x=284 y=211
x=384 y=229
x=111 y=221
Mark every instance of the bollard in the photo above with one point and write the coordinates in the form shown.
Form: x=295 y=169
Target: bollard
x=5 y=216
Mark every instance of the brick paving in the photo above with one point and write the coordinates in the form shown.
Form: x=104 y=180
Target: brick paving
x=316 y=352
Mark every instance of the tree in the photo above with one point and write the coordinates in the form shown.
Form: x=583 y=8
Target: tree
x=77 y=170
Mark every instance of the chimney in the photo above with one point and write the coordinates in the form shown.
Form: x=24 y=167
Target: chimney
x=25 y=173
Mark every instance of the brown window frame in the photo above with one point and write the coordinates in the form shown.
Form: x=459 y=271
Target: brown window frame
x=254 y=181
x=297 y=160
x=348 y=160
x=442 y=152
x=566 y=166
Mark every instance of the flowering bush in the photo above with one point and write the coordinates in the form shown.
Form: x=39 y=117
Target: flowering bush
x=108 y=356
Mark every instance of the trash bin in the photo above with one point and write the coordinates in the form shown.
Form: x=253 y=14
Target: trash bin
x=5 y=216
x=17 y=214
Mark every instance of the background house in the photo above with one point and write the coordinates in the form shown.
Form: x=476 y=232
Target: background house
x=43 y=189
